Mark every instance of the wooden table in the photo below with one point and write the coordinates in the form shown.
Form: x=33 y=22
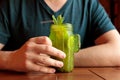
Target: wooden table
x=77 y=74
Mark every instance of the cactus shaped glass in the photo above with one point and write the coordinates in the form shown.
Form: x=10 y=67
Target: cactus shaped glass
x=62 y=38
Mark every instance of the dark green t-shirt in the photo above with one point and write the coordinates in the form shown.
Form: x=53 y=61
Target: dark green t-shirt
x=23 y=19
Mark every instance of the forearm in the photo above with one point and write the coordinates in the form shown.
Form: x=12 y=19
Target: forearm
x=101 y=55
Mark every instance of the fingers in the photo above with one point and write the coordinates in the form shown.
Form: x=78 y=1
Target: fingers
x=41 y=40
x=46 y=60
x=42 y=61
x=34 y=67
x=49 y=50
x=40 y=45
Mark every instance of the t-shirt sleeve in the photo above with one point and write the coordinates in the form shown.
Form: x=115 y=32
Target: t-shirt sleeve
x=101 y=22
x=4 y=30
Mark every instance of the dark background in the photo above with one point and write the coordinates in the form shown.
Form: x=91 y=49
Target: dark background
x=113 y=9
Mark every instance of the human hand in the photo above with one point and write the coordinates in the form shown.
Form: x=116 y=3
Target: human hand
x=35 y=55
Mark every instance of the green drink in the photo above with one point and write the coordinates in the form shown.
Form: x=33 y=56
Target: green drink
x=63 y=38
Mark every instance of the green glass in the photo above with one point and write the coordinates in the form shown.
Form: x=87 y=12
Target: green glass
x=62 y=38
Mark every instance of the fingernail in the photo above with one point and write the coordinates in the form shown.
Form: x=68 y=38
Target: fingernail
x=53 y=70
x=60 y=64
x=63 y=55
